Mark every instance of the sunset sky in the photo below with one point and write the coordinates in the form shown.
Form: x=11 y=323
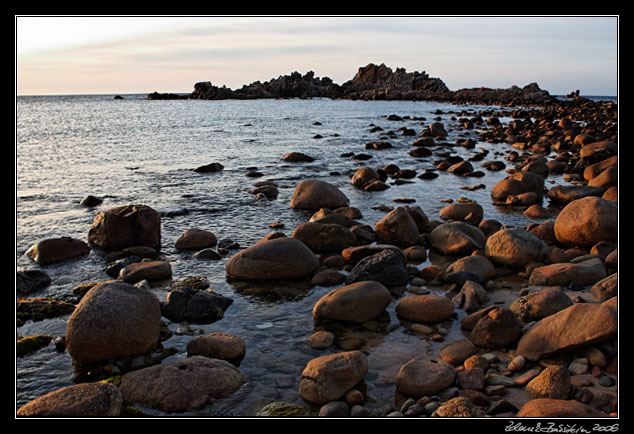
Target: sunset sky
x=142 y=54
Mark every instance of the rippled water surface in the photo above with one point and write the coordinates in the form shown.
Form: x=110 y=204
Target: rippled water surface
x=142 y=152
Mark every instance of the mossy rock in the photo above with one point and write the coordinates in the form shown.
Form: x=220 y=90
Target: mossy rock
x=30 y=344
x=284 y=409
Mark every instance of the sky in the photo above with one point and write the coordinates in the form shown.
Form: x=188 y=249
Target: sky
x=62 y=55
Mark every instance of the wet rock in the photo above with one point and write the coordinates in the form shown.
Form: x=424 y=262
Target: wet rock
x=328 y=378
x=424 y=308
x=325 y=215
x=558 y=408
x=499 y=328
x=456 y=238
x=209 y=168
x=181 y=385
x=297 y=157
x=568 y=193
x=364 y=176
x=37 y=309
x=196 y=239
x=386 y=267
x=582 y=273
x=54 y=250
x=472 y=379
x=357 y=302
x=479 y=265
x=328 y=278
x=515 y=247
x=126 y=226
x=278 y=258
x=470 y=212
x=517 y=183
x=114 y=319
x=354 y=254
x=218 y=345
x=577 y=326
x=422 y=376
x=321 y=340
x=149 y=270
x=195 y=305
x=334 y=409
x=324 y=237
x=79 y=400
x=29 y=281
x=398 y=228
x=314 y=194
x=91 y=201
x=594 y=170
x=540 y=304
x=587 y=221
x=29 y=344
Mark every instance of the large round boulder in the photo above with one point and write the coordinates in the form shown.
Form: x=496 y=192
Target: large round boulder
x=324 y=237
x=328 y=378
x=424 y=308
x=55 y=250
x=517 y=183
x=126 y=226
x=586 y=221
x=422 y=376
x=357 y=302
x=79 y=400
x=277 y=258
x=314 y=194
x=456 y=238
x=114 y=319
x=515 y=247
x=398 y=228
x=183 y=384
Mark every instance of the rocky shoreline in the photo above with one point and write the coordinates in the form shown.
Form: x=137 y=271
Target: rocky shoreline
x=549 y=351
x=371 y=82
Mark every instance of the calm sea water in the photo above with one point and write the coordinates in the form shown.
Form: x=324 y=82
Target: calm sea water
x=136 y=151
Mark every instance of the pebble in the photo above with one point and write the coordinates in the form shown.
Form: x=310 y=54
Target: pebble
x=517 y=363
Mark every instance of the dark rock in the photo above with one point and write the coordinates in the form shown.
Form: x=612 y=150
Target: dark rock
x=195 y=306
x=386 y=267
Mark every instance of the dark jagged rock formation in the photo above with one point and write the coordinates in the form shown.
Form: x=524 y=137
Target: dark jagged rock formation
x=371 y=82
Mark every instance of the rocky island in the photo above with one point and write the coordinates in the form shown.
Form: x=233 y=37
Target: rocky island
x=371 y=82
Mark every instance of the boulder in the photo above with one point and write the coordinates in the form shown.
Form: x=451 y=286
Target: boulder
x=386 y=267
x=357 y=302
x=558 y=408
x=422 y=376
x=479 y=265
x=328 y=378
x=83 y=400
x=181 y=385
x=587 y=221
x=324 y=237
x=459 y=407
x=149 y=270
x=196 y=239
x=457 y=352
x=114 y=319
x=354 y=254
x=540 y=304
x=456 y=238
x=194 y=305
x=278 y=258
x=470 y=212
x=424 y=308
x=606 y=288
x=398 y=228
x=553 y=382
x=515 y=247
x=594 y=170
x=314 y=194
x=517 y=183
x=471 y=296
x=499 y=328
x=577 y=326
x=218 y=345
x=54 y=250
x=582 y=273
x=297 y=157
x=364 y=176
x=568 y=193
x=126 y=226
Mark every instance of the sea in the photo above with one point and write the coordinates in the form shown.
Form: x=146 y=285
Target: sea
x=138 y=151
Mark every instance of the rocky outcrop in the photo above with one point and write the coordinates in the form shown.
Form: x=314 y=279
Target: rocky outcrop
x=371 y=82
